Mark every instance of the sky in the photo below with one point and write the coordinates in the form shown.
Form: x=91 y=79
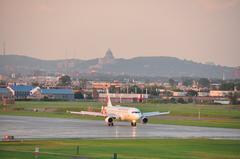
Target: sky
x=198 y=30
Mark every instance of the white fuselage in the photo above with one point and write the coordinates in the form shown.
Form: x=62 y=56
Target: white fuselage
x=124 y=113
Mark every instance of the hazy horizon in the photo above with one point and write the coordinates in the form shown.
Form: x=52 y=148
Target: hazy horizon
x=76 y=58
x=201 y=30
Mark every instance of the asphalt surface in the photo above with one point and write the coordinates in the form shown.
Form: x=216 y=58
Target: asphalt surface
x=42 y=128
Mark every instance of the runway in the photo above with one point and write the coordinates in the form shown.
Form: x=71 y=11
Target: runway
x=43 y=128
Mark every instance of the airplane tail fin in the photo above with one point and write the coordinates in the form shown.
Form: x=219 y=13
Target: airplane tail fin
x=109 y=103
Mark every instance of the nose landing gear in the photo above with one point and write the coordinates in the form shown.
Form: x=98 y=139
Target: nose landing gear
x=133 y=123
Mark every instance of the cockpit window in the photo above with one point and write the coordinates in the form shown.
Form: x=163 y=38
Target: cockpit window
x=135 y=112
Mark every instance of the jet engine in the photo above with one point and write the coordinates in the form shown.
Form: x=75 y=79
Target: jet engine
x=109 y=121
x=144 y=120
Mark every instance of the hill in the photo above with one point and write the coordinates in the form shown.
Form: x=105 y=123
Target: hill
x=161 y=66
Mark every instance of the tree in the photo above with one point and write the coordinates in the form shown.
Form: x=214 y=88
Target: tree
x=135 y=89
x=172 y=82
x=173 y=100
x=167 y=93
x=152 y=90
x=123 y=90
x=237 y=85
x=82 y=83
x=35 y=83
x=180 y=100
x=190 y=100
x=204 y=82
x=3 y=82
x=192 y=93
x=112 y=89
x=78 y=95
x=227 y=86
x=187 y=82
x=233 y=98
x=64 y=81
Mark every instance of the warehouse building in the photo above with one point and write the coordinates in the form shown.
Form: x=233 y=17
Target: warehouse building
x=21 y=92
x=51 y=94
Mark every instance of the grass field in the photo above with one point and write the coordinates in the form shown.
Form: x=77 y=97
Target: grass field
x=126 y=149
x=181 y=114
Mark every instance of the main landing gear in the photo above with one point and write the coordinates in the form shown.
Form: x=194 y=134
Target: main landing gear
x=110 y=124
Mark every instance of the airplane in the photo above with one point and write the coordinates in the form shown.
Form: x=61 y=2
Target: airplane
x=122 y=113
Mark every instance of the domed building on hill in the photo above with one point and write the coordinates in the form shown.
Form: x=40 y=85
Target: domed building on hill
x=107 y=59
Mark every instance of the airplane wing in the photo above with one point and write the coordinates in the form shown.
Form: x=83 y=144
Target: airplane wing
x=87 y=113
x=148 y=114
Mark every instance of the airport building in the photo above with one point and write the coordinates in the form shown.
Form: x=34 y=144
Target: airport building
x=6 y=96
x=52 y=94
x=21 y=92
x=179 y=94
x=123 y=98
x=219 y=93
x=24 y=92
x=4 y=92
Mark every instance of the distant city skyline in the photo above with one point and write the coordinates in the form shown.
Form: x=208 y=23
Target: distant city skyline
x=200 y=30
